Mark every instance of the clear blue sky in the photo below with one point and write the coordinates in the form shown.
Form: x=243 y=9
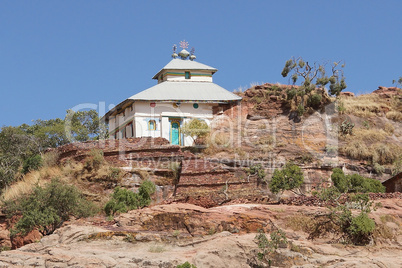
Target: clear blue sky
x=55 y=55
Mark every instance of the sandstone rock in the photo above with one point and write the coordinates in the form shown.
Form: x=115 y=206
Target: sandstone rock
x=347 y=94
x=31 y=237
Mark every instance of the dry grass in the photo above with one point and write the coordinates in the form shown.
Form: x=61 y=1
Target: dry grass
x=29 y=181
x=50 y=159
x=356 y=149
x=366 y=105
x=380 y=152
x=389 y=128
x=395 y=116
x=368 y=135
x=300 y=223
x=384 y=153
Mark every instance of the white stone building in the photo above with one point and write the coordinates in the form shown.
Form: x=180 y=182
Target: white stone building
x=184 y=91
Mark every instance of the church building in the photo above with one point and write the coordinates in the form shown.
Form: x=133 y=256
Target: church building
x=184 y=91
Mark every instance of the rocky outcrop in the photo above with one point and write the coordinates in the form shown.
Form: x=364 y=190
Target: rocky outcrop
x=158 y=237
x=388 y=92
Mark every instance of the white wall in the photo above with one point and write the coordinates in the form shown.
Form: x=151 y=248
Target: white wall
x=141 y=112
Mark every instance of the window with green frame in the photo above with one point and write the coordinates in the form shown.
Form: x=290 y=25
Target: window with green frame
x=187 y=75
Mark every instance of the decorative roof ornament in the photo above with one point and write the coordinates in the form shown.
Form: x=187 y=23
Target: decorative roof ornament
x=174 y=55
x=184 y=54
x=192 y=56
x=184 y=44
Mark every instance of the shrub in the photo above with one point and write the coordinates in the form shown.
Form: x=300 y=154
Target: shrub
x=291 y=93
x=124 y=200
x=361 y=228
x=269 y=246
x=340 y=181
x=95 y=160
x=300 y=110
x=314 y=101
x=353 y=229
x=289 y=178
x=256 y=170
x=346 y=128
x=32 y=163
x=355 y=183
x=47 y=208
x=195 y=128
x=186 y=265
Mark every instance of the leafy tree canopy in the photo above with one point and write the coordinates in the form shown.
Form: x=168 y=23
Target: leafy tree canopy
x=196 y=128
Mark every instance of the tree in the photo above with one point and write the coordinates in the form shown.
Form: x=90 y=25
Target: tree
x=289 y=178
x=398 y=82
x=314 y=76
x=195 y=128
x=19 y=145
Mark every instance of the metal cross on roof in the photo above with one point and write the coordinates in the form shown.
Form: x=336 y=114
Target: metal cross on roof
x=184 y=44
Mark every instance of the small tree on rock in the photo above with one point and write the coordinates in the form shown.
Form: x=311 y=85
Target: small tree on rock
x=195 y=128
x=314 y=76
x=289 y=178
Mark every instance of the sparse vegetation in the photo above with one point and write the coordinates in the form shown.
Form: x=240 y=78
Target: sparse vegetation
x=186 y=265
x=269 y=246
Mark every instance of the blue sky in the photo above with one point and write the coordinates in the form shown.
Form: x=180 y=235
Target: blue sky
x=55 y=55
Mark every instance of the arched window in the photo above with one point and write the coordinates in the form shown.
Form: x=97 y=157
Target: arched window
x=151 y=125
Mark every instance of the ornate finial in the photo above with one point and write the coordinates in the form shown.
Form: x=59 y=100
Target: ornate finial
x=192 y=57
x=184 y=44
x=174 y=55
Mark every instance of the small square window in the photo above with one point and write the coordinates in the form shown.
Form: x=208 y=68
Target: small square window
x=187 y=75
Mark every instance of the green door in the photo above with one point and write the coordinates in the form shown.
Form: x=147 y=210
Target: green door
x=175 y=133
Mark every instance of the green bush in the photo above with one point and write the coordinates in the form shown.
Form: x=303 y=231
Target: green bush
x=360 y=229
x=355 y=183
x=314 y=101
x=46 y=208
x=340 y=181
x=289 y=178
x=124 y=200
x=291 y=93
x=300 y=110
x=32 y=163
x=186 y=265
x=269 y=246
